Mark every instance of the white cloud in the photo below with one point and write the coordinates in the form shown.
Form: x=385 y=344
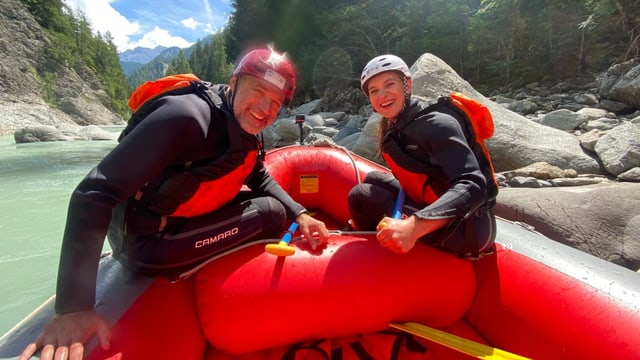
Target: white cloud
x=127 y=34
x=222 y=19
x=159 y=37
x=103 y=18
x=190 y=23
x=207 y=9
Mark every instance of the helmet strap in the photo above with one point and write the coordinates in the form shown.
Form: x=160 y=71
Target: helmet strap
x=231 y=95
x=405 y=86
x=407 y=92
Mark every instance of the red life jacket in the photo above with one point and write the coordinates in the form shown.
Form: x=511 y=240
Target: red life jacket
x=213 y=194
x=203 y=186
x=419 y=186
x=424 y=183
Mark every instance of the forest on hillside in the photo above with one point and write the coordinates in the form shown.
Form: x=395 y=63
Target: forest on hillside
x=490 y=43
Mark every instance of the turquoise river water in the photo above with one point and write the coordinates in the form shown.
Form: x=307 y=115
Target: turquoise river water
x=36 y=181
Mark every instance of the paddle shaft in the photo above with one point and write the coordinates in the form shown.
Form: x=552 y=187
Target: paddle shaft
x=458 y=343
x=286 y=238
x=397 y=208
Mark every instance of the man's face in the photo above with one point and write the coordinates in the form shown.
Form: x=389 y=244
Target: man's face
x=256 y=104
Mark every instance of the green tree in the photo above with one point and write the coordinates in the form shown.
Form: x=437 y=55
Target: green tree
x=197 y=58
x=48 y=13
x=612 y=30
x=179 y=65
x=219 y=70
x=111 y=75
x=73 y=45
x=248 y=23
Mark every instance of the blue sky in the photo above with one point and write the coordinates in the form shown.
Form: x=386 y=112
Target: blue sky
x=151 y=23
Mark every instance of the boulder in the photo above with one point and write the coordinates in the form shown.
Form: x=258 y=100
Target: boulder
x=601 y=219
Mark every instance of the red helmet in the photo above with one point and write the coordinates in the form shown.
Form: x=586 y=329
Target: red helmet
x=271 y=66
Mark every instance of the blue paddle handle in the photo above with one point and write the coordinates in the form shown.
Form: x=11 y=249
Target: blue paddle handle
x=397 y=208
x=289 y=234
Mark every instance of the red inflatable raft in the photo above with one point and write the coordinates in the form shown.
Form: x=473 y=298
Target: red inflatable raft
x=534 y=297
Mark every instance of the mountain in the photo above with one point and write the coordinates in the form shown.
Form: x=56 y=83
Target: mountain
x=141 y=55
x=154 y=69
x=142 y=64
x=129 y=67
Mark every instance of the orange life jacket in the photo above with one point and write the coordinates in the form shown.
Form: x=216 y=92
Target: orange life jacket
x=424 y=183
x=154 y=88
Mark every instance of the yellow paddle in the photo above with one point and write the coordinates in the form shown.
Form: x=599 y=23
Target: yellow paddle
x=454 y=342
x=282 y=248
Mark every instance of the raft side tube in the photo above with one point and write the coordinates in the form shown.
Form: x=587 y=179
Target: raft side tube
x=545 y=300
x=351 y=286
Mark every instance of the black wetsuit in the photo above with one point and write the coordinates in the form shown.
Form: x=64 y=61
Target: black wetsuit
x=439 y=143
x=182 y=141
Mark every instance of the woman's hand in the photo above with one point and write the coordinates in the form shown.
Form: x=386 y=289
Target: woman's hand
x=401 y=235
x=64 y=336
x=397 y=235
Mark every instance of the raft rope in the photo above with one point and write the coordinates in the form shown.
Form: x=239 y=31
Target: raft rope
x=188 y=273
x=330 y=143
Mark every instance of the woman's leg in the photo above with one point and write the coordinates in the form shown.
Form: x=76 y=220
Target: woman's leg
x=373 y=199
x=470 y=238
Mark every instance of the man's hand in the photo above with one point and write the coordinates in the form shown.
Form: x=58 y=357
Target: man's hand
x=64 y=336
x=313 y=230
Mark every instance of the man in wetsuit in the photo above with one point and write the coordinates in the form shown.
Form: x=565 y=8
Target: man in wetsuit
x=170 y=194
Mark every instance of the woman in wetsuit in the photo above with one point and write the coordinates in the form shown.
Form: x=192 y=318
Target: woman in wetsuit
x=434 y=157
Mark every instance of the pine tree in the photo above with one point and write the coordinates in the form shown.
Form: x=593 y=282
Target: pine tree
x=179 y=65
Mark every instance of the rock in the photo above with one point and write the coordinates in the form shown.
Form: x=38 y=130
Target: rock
x=540 y=170
x=38 y=133
x=588 y=140
x=95 y=133
x=563 y=119
x=619 y=148
x=630 y=175
x=601 y=219
x=368 y=136
x=616 y=107
x=62 y=132
x=518 y=141
x=576 y=181
x=621 y=83
x=71 y=98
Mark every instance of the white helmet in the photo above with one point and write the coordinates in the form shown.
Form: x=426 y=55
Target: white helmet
x=380 y=64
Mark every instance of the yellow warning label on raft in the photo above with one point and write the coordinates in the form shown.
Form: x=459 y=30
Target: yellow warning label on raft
x=309 y=184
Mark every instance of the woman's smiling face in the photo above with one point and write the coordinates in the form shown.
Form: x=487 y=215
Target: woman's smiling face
x=387 y=93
